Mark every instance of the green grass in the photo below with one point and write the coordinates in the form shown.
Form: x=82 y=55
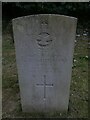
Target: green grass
x=78 y=104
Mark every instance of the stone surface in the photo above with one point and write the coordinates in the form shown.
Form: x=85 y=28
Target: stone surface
x=44 y=52
x=0 y=60
x=46 y=0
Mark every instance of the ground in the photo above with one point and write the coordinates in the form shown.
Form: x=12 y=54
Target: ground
x=78 y=103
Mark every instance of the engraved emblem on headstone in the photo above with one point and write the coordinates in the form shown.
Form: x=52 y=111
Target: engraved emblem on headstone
x=44 y=38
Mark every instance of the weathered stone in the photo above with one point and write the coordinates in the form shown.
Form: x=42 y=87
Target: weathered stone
x=44 y=52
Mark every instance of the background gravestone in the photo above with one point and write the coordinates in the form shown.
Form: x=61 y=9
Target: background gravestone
x=44 y=52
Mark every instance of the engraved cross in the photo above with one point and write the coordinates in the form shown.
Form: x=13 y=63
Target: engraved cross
x=45 y=85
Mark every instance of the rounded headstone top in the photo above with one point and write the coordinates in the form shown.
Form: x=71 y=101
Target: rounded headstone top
x=37 y=15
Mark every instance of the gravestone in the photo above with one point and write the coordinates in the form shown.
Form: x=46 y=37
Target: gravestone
x=44 y=52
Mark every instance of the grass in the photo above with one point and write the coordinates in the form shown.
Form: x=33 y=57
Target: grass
x=78 y=104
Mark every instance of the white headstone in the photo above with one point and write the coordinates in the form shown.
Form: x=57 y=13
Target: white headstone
x=44 y=52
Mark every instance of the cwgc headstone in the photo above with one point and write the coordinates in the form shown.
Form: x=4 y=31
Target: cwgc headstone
x=44 y=52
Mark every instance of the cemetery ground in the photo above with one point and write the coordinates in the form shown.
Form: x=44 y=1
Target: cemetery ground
x=78 y=103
